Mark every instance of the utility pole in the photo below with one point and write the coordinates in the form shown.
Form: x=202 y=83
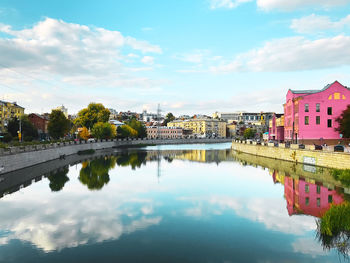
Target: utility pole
x=158 y=119
x=20 y=130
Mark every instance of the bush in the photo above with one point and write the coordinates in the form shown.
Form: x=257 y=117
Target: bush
x=7 y=137
x=28 y=138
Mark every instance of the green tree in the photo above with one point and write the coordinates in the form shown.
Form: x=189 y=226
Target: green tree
x=94 y=174
x=29 y=132
x=58 y=124
x=249 y=133
x=95 y=112
x=139 y=127
x=344 y=123
x=58 y=179
x=126 y=131
x=134 y=160
x=103 y=130
x=168 y=118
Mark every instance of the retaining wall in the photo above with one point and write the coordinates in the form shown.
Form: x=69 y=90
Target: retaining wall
x=20 y=157
x=305 y=156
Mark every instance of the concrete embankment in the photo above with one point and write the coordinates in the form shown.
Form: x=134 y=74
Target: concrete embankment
x=293 y=154
x=20 y=157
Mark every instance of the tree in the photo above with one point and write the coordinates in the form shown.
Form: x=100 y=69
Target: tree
x=139 y=127
x=168 y=118
x=249 y=133
x=103 y=130
x=29 y=132
x=126 y=131
x=95 y=112
x=344 y=123
x=58 y=124
x=84 y=133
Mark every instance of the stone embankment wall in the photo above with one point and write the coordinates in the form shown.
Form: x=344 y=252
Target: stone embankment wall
x=293 y=154
x=20 y=157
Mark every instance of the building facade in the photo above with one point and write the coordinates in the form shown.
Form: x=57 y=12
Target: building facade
x=276 y=128
x=202 y=127
x=8 y=111
x=164 y=132
x=310 y=115
x=40 y=123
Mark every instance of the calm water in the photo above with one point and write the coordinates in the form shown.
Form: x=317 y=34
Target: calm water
x=191 y=203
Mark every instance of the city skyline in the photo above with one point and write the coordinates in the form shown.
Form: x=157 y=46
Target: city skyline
x=191 y=57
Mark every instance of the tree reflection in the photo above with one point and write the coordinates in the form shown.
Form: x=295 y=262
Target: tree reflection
x=58 y=179
x=94 y=174
x=333 y=229
x=135 y=159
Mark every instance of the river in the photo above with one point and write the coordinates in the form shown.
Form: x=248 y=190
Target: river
x=181 y=203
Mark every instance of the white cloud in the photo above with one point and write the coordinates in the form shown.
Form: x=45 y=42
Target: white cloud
x=316 y=24
x=292 y=54
x=289 y=5
x=214 y=4
x=308 y=246
x=148 y=60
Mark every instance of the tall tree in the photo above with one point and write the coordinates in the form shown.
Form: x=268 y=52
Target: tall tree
x=103 y=130
x=29 y=132
x=168 y=118
x=95 y=112
x=58 y=124
x=126 y=131
x=138 y=126
x=344 y=123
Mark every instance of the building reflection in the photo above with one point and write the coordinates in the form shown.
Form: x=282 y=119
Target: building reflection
x=307 y=198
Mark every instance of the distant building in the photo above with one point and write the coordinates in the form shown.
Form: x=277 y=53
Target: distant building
x=206 y=127
x=149 y=117
x=113 y=114
x=310 y=115
x=63 y=109
x=276 y=128
x=40 y=123
x=126 y=115
x=116 y=123
x=164 y=132
x=8 y=111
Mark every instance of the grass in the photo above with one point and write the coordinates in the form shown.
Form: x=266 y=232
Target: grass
x=135 y=145
x=90 y=151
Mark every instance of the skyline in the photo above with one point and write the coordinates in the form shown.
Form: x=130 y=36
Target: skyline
x=191 y=57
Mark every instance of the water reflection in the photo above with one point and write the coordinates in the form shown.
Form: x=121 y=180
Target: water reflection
x=205 y=200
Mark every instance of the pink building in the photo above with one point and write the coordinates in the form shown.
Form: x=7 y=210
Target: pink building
x=309 y=115
x=276 y=127
x=307 y=198
x=164 y=132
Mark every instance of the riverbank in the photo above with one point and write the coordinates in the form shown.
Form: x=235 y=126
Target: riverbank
x=21 y=157
x=308 y=156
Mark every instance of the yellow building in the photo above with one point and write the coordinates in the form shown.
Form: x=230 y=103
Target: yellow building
x=9 y=110
x=205 y=127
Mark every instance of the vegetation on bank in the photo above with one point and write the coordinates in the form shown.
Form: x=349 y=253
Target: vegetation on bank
x=342 y=175
x=90 y=151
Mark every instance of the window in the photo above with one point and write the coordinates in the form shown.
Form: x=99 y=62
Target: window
x=329 y=110
x=318 y=120
x=329 y=123
x=306 y=107
x=330 y=199
x=318 y=202
x=306 y=188
x=306 y=120
x=317 y=107
x=307 y=201
x=318 y=189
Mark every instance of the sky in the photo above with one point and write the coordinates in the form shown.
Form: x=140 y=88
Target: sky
x=191 y=57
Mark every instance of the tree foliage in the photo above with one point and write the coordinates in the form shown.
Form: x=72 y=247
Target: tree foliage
x=103 y=130
x=58 y=124
x=84 y=133
x=29 y=132
x=126 y=131
x=249 y=133
x=344 y=123
x=168 y=118
x=138 y=126
x=95 y=112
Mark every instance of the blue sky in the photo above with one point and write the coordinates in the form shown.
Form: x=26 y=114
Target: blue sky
x=196 y=56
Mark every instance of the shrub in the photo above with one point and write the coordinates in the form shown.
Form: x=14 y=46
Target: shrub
x=7 y=137
x=342 y=175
